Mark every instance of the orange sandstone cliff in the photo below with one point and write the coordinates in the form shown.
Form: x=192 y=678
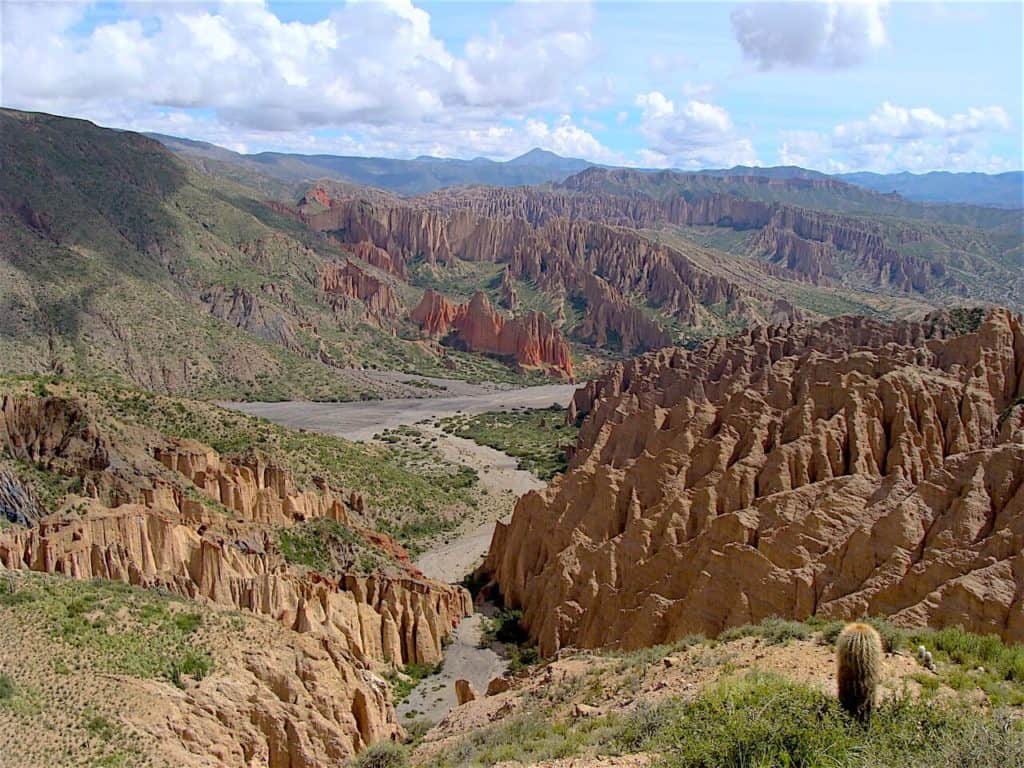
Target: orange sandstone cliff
x=530 y=339
x=846 y=469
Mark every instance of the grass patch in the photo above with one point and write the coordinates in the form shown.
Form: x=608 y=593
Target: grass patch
x=763 y=720
x=402 y=684
x=757 y=721
x=537 y=438
x=773 y=630
x=386 y=754
x=7 y=688
x=123 y=630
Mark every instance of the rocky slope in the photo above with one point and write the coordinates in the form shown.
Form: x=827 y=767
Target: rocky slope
x=174 y=514
x=843 y=469
x=117 y=260
x=831 y=234
x=630 y=287
x=529 y=339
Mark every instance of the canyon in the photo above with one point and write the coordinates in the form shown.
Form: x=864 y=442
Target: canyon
x=174 y=514
x=529 y=339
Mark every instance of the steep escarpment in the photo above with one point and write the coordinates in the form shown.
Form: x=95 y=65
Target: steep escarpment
x=236 y=531
x=346 y=284
x=845 y=469
x=529 y=339
x=822 y=230
x=632 y=287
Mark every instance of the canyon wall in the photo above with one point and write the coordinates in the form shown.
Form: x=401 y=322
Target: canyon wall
x=174 y=514
x=562 y=255
x=815 y=245
x=347 y=285
x=529 y=339
x=847 y=469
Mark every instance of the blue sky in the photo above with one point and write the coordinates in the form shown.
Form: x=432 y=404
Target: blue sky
x=866 y=85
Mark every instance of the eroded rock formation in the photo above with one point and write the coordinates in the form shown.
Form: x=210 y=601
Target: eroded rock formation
x=345 y=281
x=562 y=255
x=817 y=246
x=530 y=339
x=177 y=515
x=843 y=469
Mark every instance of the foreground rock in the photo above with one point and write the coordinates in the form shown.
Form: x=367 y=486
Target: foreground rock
x=175 y=514
x=845 y=469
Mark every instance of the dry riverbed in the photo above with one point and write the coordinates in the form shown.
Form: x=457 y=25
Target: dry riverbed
x=458 y=554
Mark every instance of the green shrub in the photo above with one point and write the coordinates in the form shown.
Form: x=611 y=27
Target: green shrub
x=7 y=688
x=763 y=720
x=386 y=754
x=194 y=664
x=504 y=627
x=773 y=630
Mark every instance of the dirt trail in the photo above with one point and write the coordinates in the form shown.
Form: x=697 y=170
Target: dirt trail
x=500 y=476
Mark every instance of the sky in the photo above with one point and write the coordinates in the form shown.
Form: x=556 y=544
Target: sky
x=838 y=86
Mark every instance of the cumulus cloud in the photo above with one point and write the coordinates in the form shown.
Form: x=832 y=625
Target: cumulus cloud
x=695 y=134
x=830 y=34
x=366 y=64
x=902 y=138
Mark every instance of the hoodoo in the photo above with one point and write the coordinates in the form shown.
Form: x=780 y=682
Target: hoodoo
x=845 y=469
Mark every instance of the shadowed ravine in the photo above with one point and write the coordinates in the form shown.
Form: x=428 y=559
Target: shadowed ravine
x=434 y=697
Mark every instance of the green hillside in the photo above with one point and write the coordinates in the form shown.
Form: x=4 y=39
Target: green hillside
x=119 y=260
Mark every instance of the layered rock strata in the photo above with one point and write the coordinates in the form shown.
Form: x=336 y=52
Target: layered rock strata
x=345 y=284
x=815 y=245
x=599 y=266
x=852 y=468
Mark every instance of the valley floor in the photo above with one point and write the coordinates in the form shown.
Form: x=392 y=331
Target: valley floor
x=456 y=555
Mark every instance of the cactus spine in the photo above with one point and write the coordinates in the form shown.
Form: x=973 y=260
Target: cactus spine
x=858 y=668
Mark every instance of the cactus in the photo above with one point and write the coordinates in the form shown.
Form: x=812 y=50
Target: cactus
x=859 y=668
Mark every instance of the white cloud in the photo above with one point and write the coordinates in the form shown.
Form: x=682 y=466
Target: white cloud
x=900 y=138
x=696 y=134
x=366 y=64
x=894 y=123
x=830 y=34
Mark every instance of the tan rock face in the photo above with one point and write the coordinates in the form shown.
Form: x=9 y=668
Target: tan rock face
x=345 y=282
x=138 y=525
x=550 y=245
x=845 y=469
x=812 y=244
x=464 y=692
x=531 y=340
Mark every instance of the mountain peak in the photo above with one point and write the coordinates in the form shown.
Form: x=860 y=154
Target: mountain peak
x=537 y=156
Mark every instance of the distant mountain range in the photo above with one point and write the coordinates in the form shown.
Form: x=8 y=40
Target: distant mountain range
x=407 y=177
x=539 y=166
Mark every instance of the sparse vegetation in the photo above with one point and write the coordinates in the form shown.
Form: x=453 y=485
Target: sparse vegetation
x=755 y=720
x=537 y=438
x=386 y=754
x=403 y=683
x=124 y=630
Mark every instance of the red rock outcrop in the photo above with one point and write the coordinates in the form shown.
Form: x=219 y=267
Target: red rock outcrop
x=509 y=296
x=379 y=258
x=530 y=340
x=843 y=469
x=345 y=281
